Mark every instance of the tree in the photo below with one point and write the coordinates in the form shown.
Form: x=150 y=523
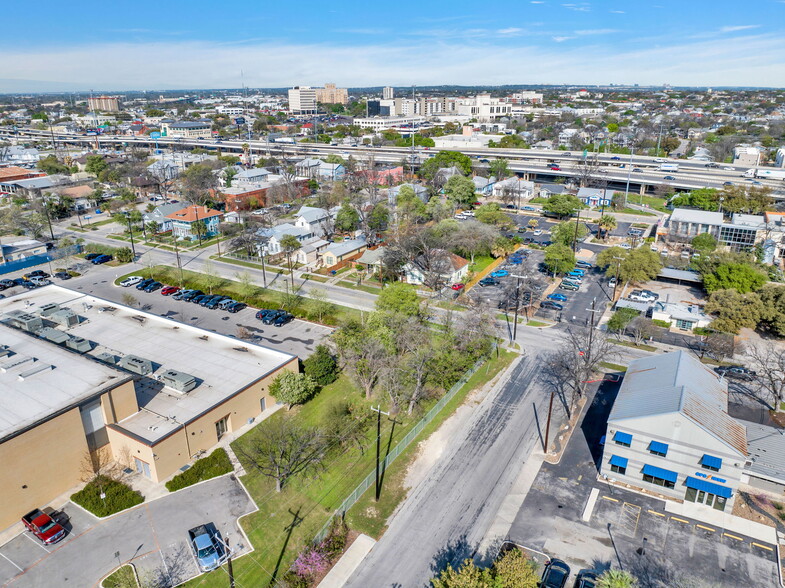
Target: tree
x=492 y=214
x=515 y=570
x=210 y=276
x=197 y=182
x=446 y=159
x=460 y=190
x=773 y=318
x=320 y=303
x=734 y=310
x=399 y=298
x=468 y=575
x=606 y=224
x=321 y=366
x=473 y=237
x=129 y=299
x=245 y=286
x=618 y=322
x=363 y=353
x=347 y=219
x=124 y=255
x=616 y=579
x=568 y=232
x=640 y=328
x=639 y=265
x=290 y=244
x=292 y=388
x=559 y=258
x=768 y=361
x=95 y=164
x=562 y=204
x=282 y=448
x=737 y=276
x=499 y=169
x=704 y=243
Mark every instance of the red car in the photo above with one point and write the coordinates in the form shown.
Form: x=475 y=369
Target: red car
x=458 y=286
x=169 y=290
x=554 y=167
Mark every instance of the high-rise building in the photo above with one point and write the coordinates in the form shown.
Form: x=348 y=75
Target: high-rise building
x=104 y=103
x=332 y=95
x=388 y=93
x=302 y=100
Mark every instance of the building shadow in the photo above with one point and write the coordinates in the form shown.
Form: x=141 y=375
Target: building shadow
x=595 y=421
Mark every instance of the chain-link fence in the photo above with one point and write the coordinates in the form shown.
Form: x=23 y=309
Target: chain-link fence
x=370 y=479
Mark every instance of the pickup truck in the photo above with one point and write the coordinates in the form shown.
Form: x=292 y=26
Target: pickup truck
x=207 y=546
x=43 y=526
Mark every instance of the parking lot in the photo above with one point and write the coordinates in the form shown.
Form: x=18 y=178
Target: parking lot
x=626 y=529
x=153 y=536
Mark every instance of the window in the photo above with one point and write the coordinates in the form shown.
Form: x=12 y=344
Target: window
x=659 y=476
x=709 y=462
x=658 y=481
x=623 y=439
x=658 y=449
x=684 y=325
x=618 y=464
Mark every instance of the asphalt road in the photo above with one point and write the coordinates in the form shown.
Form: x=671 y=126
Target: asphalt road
x=446 y=516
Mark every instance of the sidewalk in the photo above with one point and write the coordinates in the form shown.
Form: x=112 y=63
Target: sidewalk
x=349 y=561
x=723 y=520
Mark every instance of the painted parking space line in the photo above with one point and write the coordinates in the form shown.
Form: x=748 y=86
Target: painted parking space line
x=766 y=547
x=705 y=528
x=12 y=563
x=37 y=543
x=733 y=536
x=654 y=512
x=609 y=498
x=680 y=520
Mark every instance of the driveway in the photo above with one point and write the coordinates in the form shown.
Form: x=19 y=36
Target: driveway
x=153 y=536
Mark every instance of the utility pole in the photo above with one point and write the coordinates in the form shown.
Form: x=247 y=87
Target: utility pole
x=517 y=304
x=229 y=568
x=629 y=173
x=548 y=424
x=575 y=236
x=131 y=233
x=379 y=413
x=616 y=282
x=659 y=138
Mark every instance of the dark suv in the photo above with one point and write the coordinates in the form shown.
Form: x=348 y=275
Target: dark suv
x=556 y=574
x=736 y=372
x=271 y=317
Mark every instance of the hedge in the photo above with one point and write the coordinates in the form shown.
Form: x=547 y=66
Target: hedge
x=118 y=496
x=215 y=464
x=121 y=254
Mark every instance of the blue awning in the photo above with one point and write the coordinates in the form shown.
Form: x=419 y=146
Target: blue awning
x=711 y=461
x=709 y=487
x=650 y=470
x=622 y=437
x=658 y=447
x=618 y=461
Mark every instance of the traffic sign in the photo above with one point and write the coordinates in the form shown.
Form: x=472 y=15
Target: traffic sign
x=155 y=135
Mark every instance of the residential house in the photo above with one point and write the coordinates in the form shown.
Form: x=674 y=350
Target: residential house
x=595 y=196
x=372 y=260
x=746 y=155
x=483 y=185
x=515 y=186
x=160 y=216
x=684 y=317
x=31 y=187
x=272 y=237
x=331 y=171
x=548 y=190
x=317 y=220
x=11 y=173
x=19 y=155
x=420 y=191
x=445 y=173
x=385 y=177
x=308 y=167
x=444 y=266
x=346 y=250
x=254 y=177
x=183 y=221
x=310 y=253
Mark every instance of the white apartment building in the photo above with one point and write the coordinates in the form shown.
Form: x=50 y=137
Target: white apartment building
x=526 y=97
x=381 y=123
x=302 y=100
x=779 y=160
x=187 y=129
x=388 y=93
x=484 y=108
x=231 y=110
x=746 y=155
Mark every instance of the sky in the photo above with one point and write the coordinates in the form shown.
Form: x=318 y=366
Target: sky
x=120 y=45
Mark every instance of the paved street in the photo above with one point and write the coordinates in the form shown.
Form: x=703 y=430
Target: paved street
x=446 y=516
x=153 y=536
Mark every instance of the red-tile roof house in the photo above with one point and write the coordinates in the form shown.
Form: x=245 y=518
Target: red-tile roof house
x=183 y=220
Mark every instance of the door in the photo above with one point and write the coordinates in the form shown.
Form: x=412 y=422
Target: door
x=142 y=467
x=221 y=427
x=264 y=404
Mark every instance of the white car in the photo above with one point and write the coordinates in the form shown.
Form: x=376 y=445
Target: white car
x=537 y=232
x=729 y=168
x=660 y=160
x=131 y=280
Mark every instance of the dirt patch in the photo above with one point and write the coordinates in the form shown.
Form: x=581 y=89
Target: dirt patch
x=760 y=507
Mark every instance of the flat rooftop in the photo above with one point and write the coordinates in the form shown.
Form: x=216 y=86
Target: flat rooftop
x=61 y=380
x=221 y=365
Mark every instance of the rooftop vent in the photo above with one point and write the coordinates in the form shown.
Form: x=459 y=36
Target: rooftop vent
x=53 y=335
x=107 y=357
x=137 y=365
x=24 y=320
x=5 y=351
x=179 y=381
x=48 y=309
x=79 y=344
x=65 y=318
x=36 y=369
x=15 y=362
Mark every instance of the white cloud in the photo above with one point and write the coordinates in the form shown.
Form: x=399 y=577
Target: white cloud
x=622 y=12
x=541 y=2
x=733 y=29
x=589 y=32
x=562 y=39
x=510 y=32
x=749 y=61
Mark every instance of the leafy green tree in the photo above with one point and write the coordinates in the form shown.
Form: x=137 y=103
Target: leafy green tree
x=399 y=298
x=704 y=243
x=616 y=579
x=95 y=164
x=446 y=159
x=409 y=205
x=290 y=244
x=559 y=258
x=347 y=219
x=737 y=276
x=606 y=224
x=124 y=255
x=621 y=318
x=499 y=169
x=515 y=570
x=492 y=214
x=154 y=112
x=565 y=233
x=704 y=198
x=467 y=575
x=773 y=298
x=321 y=366
x=562 y=204
x=460 y=190
x=50 y=165
x=292 y=388
x=734 y=310
x=320 y=303
x=640 y=265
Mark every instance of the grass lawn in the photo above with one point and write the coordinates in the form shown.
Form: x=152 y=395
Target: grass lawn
x=315 y=277
x=650 y=201
x=363 y=287
x=538 y=324
x=634 y=346
x=614 y=367
x=122 y=577
x=257 y=297
x=480 y=263
x=634 y=211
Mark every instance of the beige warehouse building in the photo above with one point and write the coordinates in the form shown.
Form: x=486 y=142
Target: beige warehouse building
x=79 y=374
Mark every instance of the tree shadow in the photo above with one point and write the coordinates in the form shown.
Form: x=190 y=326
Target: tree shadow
x=453 y=554
x=296 y=520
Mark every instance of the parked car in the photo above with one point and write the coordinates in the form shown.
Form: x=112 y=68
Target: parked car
x=612 y=283
x=569 y=286
x=529 y=208
x=208 y=549
x=500 y=274
x=458 y=286
x=271 y=317
x=236 y=307
x=39 y=281
x=643 y=296
x=101 y=259
x=226 y=303
x=488 y=282
x=144 y=283
x=551 y=305
x=43 y=526
x=578 y=272
x=153 y=287
x=191 y=295
x=169 y=290
x=261 y=314
x=6 y=284
x=214 y=301
x=556 y=574
x=198 y=299
x=556 y=296
x=737 y=372
x=91 y=256
x=62 y=275
x=583 y=264
x=283 y=319
x=36 y=274
x=586 y=579
x=179 y=295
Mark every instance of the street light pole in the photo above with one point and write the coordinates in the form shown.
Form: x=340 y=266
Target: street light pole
x=575 y=236
x=629 y=174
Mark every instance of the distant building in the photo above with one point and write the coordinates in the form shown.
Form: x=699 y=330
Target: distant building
x=302 y=100
x=388 y=93
x=21 y=249
x=332 y=95
x=595 y=196
x=380 y=123
x=104 y=103
x=779 y=159
x=746 y=155
x=187 y=129
x=9 y=174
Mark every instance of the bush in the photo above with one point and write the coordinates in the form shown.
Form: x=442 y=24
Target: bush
x=214 y=465
x=118 y=496
x=292 y=580
x=322 y=366
x=665 y=324
x=292 y=388
x=121 y=254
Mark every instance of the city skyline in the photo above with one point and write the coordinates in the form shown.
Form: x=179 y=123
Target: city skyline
x=534 y=42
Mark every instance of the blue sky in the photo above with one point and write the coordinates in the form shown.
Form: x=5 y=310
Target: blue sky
x=171 y=44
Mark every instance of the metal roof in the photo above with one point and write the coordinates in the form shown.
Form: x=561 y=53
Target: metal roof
x=766 y=450
x=682 y=275
x=687 y=215
x=677 y=382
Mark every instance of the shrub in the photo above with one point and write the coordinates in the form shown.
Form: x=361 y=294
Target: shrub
x=665 y=324
x=310 y=562
x=121 y=254
x=322 y=366
x=118 y=496
x=335 y=542
x=292 y=580
x=292 y=388
x=215 y=464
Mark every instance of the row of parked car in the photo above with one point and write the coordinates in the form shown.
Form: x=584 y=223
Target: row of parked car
x=211 y=301
x=277 y=318
x=98 y=258
x=557 y=573
x=574 y=278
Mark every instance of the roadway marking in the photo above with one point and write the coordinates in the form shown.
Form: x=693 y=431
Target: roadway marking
x=609 y=498
x=590 y=504
x=654 y=512
x=37 y=543
x=733 y=536
x=629 y=516
x=680 y=520
x=766 y=547
x=21 y=570
x=705 y=528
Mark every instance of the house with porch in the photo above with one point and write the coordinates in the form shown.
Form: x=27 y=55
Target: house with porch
x=446 y=266
x=595 y=196
x=184 y=219
x=346 y=250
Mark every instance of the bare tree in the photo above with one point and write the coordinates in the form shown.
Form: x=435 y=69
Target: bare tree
x=365 y=361
x=768 y=360
x=640 y=328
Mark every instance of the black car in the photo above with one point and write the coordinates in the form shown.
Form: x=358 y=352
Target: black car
x=37 y=274
x=91 y=256
x=555 y=575
x=6 y=284
x=206 y=299
x=144 y=283
x=262 y=314
x=153 y=287
x=737 y=372
x=551 y=305
x=586 y=579
x=236 y=307
x=271 y=317
x=198 y=299
x=191 y=295
x=283 y=319
x=102 y=259
x=214 y=302
x=63 y=275
x=488 y=282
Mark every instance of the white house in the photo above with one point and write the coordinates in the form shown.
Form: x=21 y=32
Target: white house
x=520 y=189
x=274 y=235
x=595 y=196
x=669 y=432
x=447 y=267
x=682 y=316
x=314 y=219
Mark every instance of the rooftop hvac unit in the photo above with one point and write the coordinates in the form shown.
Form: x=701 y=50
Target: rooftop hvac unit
x=24 y=320
x=65 y=318
x=53 y=335
x=137 y=365
x=48 y=309
x=107 y=357
x=179 y=381
x=79 y=344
